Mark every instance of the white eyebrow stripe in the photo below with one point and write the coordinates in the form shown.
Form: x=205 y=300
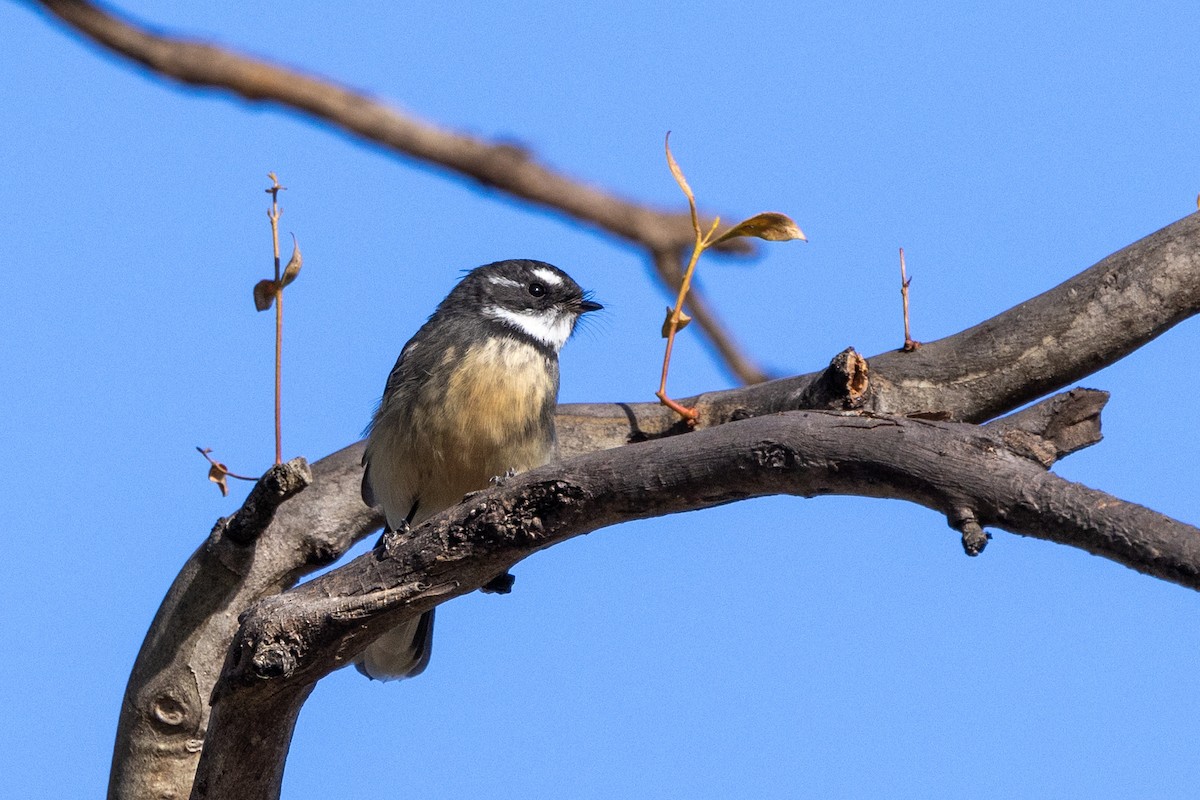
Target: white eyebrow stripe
x=500 y=280
x=549 y=277
x=548 y=327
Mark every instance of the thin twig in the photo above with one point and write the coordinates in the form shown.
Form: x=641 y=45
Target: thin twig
x=669 y=266
x=674 y=321
x=909 y=343
x=204 y=451
x=273 y=215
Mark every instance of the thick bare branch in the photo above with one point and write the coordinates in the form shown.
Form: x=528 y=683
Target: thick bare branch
x=259 y=551
x=318 y=525
x=1053 y=340
x=290 y=641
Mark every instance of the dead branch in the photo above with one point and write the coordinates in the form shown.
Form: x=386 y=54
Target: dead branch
x=501 y=166
x=1094 y=318
x=289 y=641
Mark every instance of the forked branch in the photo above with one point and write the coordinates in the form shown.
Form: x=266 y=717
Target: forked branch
x=288 y=642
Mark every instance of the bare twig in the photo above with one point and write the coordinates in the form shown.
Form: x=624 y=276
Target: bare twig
x=273 y=215
x=909 y=343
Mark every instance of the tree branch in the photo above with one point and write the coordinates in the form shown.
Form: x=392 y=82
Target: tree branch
x=1034 y=367
x=1055 y=427
x=1055 y=339
x=501 y=166
x=1047 y=343
x=280 y=534
x=1092 y=320
x=289 y=641
x=1042 y=345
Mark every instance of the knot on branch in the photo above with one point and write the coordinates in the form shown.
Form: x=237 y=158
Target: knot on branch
x=275 y=660
x=271 y=643
x=1074 y=419
x=774 y=455
x=278 y=484
x=172 y=711
x=843 y=386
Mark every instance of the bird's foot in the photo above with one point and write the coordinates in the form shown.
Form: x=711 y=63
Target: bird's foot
x=498 y=480
x=391 y=538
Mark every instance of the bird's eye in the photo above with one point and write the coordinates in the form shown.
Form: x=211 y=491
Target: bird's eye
x=537 y=289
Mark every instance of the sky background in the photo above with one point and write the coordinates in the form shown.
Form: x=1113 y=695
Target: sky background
x=835 y=647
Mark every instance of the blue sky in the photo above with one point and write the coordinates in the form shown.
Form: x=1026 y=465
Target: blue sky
x=836 y=647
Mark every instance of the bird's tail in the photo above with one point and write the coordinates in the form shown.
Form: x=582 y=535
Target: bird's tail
x=402 y=652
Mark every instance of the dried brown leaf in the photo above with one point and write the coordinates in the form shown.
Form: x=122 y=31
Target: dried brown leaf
x=684 y=319
x=293 y=266
x=264 y=294
x=683 y=185
x=769 y=225
x=216 y=474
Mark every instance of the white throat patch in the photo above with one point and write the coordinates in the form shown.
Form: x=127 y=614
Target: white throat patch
x=551 y=327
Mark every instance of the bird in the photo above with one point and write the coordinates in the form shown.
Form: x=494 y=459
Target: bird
x=471 y=398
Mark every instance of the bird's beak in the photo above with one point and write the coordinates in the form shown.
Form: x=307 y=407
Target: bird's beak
x=589 y=305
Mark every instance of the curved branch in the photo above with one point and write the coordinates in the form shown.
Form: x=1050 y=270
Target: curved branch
x=288 y=642
x=280 y=534
x=1095 y=314
x=503 y=166
x=1055 y=339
